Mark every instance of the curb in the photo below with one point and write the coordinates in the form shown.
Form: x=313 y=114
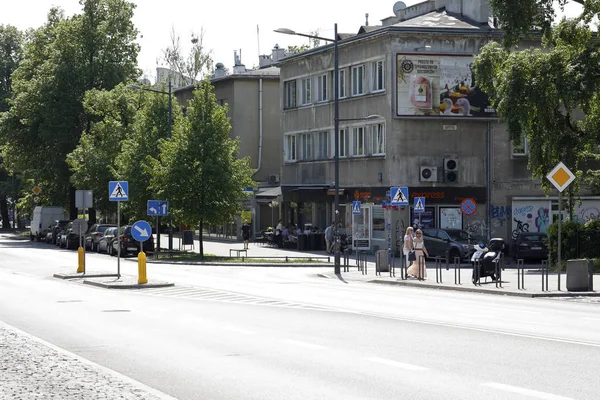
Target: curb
x=124 y=285
x=78 y=276
x=487 y=291
x=240 y=264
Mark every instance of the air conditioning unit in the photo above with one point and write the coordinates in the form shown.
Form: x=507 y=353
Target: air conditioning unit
x=273 y=179
x=428 y=174
x=451 y=169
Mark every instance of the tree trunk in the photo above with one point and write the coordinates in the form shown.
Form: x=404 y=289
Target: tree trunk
x=200 y=229
x=4 y=212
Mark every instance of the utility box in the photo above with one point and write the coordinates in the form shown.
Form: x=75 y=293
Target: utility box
x=381 y=261
x=580 y=276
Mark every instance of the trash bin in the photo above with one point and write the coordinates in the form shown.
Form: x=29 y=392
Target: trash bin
x=580 y=275
x=381 y=261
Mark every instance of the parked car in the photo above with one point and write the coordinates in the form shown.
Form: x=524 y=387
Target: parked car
x=54 y=230
x=94 y=234
x=68 y=238
x=531 y=246
x=42 y=218
x=129 y=244
x=450 y=242
x=106 y=239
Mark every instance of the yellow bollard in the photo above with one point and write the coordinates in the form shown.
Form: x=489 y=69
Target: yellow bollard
x=81 y=261
x=142 y=268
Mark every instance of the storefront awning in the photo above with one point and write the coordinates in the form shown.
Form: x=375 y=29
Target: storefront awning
x=268 y=192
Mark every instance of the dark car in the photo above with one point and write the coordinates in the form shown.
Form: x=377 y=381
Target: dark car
x=105 y=241
x=531 y=246
x=54 y=230
x=68 y=238
x=447 y=242
x=128 y=244
x=94 y=234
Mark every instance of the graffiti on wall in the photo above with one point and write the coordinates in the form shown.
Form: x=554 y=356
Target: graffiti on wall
x=500 y=215
x=531 y=216
x=586 y=212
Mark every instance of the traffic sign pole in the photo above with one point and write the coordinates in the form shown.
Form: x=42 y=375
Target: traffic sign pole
x=157 y=237
x=118 y=240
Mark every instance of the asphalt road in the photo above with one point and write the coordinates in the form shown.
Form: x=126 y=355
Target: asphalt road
x=285 y=333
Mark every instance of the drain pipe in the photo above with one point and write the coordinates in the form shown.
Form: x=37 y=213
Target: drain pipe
x=260 y=145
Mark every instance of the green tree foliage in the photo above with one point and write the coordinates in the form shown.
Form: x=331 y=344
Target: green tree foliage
x=11 y=53
x=547 y=95
x=193 y=66
x=62 y=61
x=198 y=170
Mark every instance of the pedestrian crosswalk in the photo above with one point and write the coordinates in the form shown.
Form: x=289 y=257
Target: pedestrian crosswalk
x=223 y=296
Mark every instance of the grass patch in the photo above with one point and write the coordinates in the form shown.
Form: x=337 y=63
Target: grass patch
x=195 y=257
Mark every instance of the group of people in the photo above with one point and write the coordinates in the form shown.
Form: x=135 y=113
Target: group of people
x=415 y=253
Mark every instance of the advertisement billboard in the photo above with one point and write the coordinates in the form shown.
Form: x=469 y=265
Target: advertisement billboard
x=439 y=85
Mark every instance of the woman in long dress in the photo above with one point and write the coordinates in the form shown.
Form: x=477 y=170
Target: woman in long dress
x=408 y=244
x=420 y=250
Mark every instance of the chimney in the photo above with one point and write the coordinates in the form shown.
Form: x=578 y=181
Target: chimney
x=367 y=19
x=220 y=71
x=238 y=67
x=264 y=61
x=278 y=53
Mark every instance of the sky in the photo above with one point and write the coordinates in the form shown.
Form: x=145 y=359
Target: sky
x=228 y=25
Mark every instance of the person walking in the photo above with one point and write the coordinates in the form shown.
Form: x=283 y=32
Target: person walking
x=245 y=234
x=408 y=245
x=418 y=268
x=329 y=238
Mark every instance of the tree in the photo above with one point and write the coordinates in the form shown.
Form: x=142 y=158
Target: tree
x=541 y=93
x=11 y=53
x=62 y=61
x=193 y=66
x=198 y=170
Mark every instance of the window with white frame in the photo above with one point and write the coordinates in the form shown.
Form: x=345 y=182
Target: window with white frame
x=306 y=143
x=519 y=146
x=358 y=80
x=342 y=83
x=290 y=148
x=377 y=76
x=322 y=143
x=306 y=91
x=378 y=139
x=289 y=94
x=358 y=141
x=343 y=143
x=322 y=88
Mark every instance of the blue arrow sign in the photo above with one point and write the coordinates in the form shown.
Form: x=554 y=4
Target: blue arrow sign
x=158 y=208
x=141 y=231
x=399 y=196
x=356 y=207
x=419 y=204
x=118 y=190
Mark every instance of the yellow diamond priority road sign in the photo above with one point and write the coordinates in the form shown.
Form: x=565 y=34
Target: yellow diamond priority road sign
x=36 y=190
x=561 y=177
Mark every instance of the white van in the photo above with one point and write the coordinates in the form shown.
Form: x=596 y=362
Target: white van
x=42 y=218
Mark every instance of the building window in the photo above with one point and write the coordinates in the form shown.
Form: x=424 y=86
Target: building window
x=290 y=148
x=377 y=75
x=306 y=141
x=358 y=141
x=342 y=83
x=519 y=146
x=289 y=94
x=322 y=90
x=358 y=80
x=306 y=99
x=378 y=222
x=343 y=143
x=322 y=150
x=378 y=139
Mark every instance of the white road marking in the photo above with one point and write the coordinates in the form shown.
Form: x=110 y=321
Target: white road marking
x=239 y=330
x=525 y=392
x=503 y=319
x=303 y=344
x=392 y=363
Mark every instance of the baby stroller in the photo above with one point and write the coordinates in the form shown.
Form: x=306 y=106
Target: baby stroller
x=484 y=259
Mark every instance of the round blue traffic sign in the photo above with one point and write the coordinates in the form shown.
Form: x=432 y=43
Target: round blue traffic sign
x=468 y=206
x=141 y=231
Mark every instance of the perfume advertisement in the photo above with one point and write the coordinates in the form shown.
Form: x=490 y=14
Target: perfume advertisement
x=437 y=85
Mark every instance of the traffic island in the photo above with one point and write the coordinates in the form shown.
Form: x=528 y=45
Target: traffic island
x=83 y=275
x=126 y=283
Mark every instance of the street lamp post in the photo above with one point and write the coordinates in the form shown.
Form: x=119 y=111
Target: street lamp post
x=169 y=93
x=336 y=126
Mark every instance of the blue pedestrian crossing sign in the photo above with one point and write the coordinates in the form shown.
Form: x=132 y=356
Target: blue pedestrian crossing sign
x=118 y=190
x=158 y=208
x=419 y=204
x=356 y=207
x=141 y=231
x=399 y=196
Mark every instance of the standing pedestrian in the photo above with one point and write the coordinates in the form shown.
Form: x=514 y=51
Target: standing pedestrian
x=329 y=238
x=408 y=245
x=245 y=234
x=418 y=268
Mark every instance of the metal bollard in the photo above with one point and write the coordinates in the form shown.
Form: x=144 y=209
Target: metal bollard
x=457 y=271
x=80 y=260
x=421 y=267
x=521 y=274
x=498 y=270
x=545 y=276
x=438 y=269
x=346 y=261
x=392 y=266
x=142 y=278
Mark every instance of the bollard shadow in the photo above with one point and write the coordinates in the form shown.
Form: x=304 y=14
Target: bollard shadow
x=341 y=278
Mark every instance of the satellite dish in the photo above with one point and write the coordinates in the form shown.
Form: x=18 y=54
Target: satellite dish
x=399 y=6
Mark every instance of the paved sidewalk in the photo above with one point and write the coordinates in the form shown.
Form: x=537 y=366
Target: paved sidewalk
x=33 y=369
